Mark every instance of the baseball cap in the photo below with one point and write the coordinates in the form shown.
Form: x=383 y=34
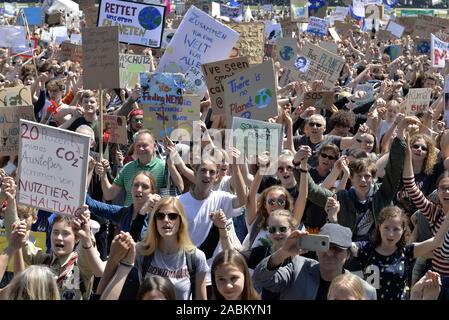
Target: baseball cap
x=338 y=235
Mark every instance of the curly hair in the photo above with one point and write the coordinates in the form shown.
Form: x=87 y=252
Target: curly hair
x=391 y=212
x=343 y=118
x=431 y=158
x=262 y=212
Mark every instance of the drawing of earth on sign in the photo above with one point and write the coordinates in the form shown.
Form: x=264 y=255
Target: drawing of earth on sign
x=263 y=98
x=287 y=53
x=150 y=18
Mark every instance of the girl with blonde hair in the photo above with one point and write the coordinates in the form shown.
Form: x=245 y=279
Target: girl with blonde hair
x=346 y=286
x=35 y=283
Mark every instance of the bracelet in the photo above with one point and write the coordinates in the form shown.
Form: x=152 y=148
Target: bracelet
x=125 y=264
x=87 y=247
x=303 y=170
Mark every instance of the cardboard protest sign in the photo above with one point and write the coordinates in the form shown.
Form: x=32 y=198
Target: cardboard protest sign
x=358 y=8
x=253 y=137
x=319 y=99
x=9 y=128
x=195 y=83
x=138 y=23
x=15 y=96
x=13 y=37
x=373 y=11
x=396 y=29
x=343 y=27
x=288 y=28
x=215 y=73
x=199 y=39
x=315 y=63
x=75 y=38
x=116 y=127
x=422 y=46
x=287 y=49
x=418 y=100
x=329 y=46
x=334 y=34
x=251 y=41
x=393 y=51
x=52 y=168
x=59 y=34
x=299 y=10
x=251 y=93
x=231 y=11
x=72 y=52
x=369 y=89
x=33 y=16
x=438 y=51
x=101 y=58
x=273 y=32
x=317 y=26
x=167 y=36
x=91 y=16
x=181 y=124
x=131 y=65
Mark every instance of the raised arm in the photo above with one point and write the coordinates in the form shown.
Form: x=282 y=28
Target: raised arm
x=219 y=219
x=423 y=248
x=301 y=201
x=237 y=181
x=251 y=206
x=110 y=191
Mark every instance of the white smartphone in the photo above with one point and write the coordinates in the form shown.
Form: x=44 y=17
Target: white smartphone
x=314 y=242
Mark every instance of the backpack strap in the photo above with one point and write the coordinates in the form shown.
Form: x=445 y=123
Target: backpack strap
x=146 y=265
x=192 y=262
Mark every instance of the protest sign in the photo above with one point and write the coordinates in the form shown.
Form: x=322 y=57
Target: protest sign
x=9 y=128
x=396 y=29
x=15 y=96
x=195 y=83
x=329 y=46
x=199 y=39
x=52 y=168
x=373 y=11
x=251 y=41
x=231 y=11
x=138 y=23
x=253 y=137
x=446 y=100
x=75 y=38
x=91 y=16
x=251 y=93
x=422 y=46
x=288 y=28
x=33 y=16
x=343 y=27
x=273 y=32
x=215 y=73
x=315 y=63
x=438 y=51
x=101 y=58
x=299 y=10
x=116 y=127
x=13 y=37
x=358 y=8
x=340 y=13
x=181 y=129
x=72 y=52
x=317 y=26
x=334 y=34
x=59 y=34
x=131 y=65
x=418 y=100
x=268 y=8
x=369 y=89
x=167 y=36
x=393 y=51
x=287 y=49
x=319 y=99
x=54 y=19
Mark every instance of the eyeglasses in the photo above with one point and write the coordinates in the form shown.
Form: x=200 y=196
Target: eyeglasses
x=443 y=189
x=325 y=156
x=137 y=120
x=277 y=229
x=161 y=216
x=288 y=168
x=279 y=202
x=315 y=124
x=417 y=146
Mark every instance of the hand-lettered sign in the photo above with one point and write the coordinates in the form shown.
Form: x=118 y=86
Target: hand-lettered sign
x=418 y=100
x=9 y=128
x=251 y=41
x=131 y=65
x=15 y=96
x=116 y=127
x=52 y=168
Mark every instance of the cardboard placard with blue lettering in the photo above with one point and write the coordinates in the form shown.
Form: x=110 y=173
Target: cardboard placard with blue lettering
x=33 y=16
x=317 y=26
x=217 y=72
x=52 y=168
x=251 y=93
x=131 y=65
x=139 y=23
x=199 y=39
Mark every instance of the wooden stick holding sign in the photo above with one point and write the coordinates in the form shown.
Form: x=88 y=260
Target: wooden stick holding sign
x=27 y=30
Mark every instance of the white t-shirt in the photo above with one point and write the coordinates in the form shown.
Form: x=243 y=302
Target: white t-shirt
x=174 y=267
x=198 y=211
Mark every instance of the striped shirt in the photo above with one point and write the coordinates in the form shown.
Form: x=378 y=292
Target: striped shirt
x=435 y=215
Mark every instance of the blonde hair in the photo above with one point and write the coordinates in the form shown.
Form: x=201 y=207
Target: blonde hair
x=35 y=283
x=152 y=239
x=286 y=214
x=349 y=282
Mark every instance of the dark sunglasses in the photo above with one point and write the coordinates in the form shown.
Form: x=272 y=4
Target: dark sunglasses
x=314 y=124
x=279 y=202
x=417 y=146
x=325 y=156
x=161 y=216
x=135 y=120
x=277 y=229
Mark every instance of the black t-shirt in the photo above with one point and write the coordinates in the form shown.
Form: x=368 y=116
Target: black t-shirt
x=269 y=181
x=304 y=140
x=78 y=122
x=323 y=289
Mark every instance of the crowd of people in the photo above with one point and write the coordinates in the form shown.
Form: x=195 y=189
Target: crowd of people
x=158 y=224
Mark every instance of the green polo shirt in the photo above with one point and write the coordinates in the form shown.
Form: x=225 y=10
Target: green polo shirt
x=125 y=178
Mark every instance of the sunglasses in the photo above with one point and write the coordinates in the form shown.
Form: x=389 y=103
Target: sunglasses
x=443 y=189
x=279 y=202
x=134 y=120
x=315 y=124
x=277 y=229
x=325 y=156
x=161 y=216
x=417 y=146
x=288 y=168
